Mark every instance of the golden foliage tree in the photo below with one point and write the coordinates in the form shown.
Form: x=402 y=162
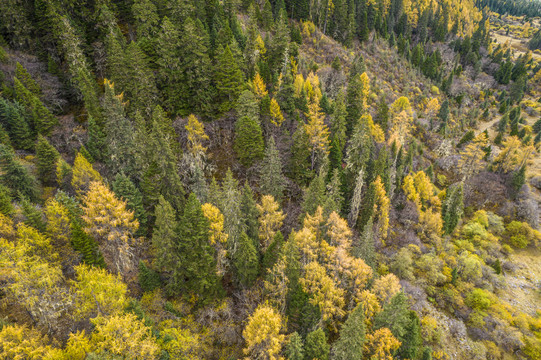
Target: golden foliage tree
x=112 y=225
x=124 y=335
x=217 y=236
x=270 y=220
x=323 y=292
x=262 y=334
x=276 y=113
x=259 y=87
x=471 y=158
x=318 y=133
x=382 y=203
x=97 y=292
x=386 y=287
x=196 y=137
x=83 y=174
x=402 y=118
x=513 y=155
x=381 y=345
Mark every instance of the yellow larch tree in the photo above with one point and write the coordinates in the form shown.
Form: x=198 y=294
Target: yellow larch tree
x=323 y=292
x=21 y=342
x=59 y=230
x=83 y=174
x=97 y=292
x=402 y=118
x=365 y=91
x=217 y=235
x=318 y=133
x=259 y=87
x=112 y=225
x=381 y=345
x=338 y=231
x=382 y=203
x=371 y=305
x=262 y=334
x=270 y=220
x=386 y=287
x=196 y=137
x=124 y=335
x=276 y=113
x=432 y=108
x=308 y=245
x=513 y=155
x=471 y=158
x=276 y=285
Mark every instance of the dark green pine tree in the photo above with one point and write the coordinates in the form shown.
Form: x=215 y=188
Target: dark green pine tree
x=353 y=103
x=16 y=176
x=299 y=164
x=24 y=77
x=267 y=16
x=33 y=216
x=140 y=85
x=452 y=208
x=443 y=116
x=315 y=346
x=314 y=195
x=229 y=80
x=279 y=44
x=249 y=144
x=247 y=105
x=149 y=280
x=250 y=214
x=295 y=348
x=42 y=119
x=270 y=257
x=119 y=133
x=245 y=262
x=125 y=189
x=195 y=273
x=382 y=114
x=6 y=207
x=164 y=239
x=367 y=207
x=195 y=90
x=366 y=248
x=169 y=71
x=160 y=170
x=349 y=345
x=286 y=93
x=46 y=157
x=96 y=143
x=519 y=178
x=13 y=118
x=338 y=121
x=271 y=178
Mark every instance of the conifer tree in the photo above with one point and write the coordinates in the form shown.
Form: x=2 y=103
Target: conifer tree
x=316 y=346
x=17 y=177
x=349 y=345
x=165 y=238
x=452 y=208
x=249 y=214
x=318 y=135
x=194 y=89
x=126 y=190
x=231 y=208
x=280 y=43
x=15 y=120
x=119 y=132
x=195 y=273
x=299 y=164
x=295 y=348
x=46 y=157
x=271 y=178
x=267 y=16
x=228 y=78
x=246 y=262
x=26 y=79
x=6 y=208
x=314 y=195
x=249 y=144
x=83 y=174
x=169 y=71
x=247 y=105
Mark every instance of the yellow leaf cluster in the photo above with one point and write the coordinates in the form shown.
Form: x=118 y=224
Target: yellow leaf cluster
x=196 y=136
x=97 y=292
x=259 y=87
x=386 y=287
x=216 y=221
x=276 y=113
x=83 y=174
x=262 y=334
x=270 y=220
x=381 y=345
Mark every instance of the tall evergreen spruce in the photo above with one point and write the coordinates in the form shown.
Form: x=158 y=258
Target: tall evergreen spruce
x=195 y=273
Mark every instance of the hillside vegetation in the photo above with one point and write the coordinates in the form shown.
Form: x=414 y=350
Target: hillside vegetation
x=342 y=179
